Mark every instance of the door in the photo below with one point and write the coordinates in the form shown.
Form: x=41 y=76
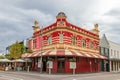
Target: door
x=61 y=66
x=44 y=66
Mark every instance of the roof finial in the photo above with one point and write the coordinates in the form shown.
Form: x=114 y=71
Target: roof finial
x=61 y=15
x=36 y=23
x=95 y=30
x=36 y=26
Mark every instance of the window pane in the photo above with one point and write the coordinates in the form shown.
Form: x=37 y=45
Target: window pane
x=83 y=43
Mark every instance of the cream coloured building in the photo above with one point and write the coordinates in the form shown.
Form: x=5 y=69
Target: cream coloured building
x=114 y=56
x=112 y=51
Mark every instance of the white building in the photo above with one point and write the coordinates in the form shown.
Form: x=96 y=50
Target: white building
x=114 y=56
x=112 y=51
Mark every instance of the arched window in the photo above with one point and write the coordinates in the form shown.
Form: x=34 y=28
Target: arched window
x=91 y=45
x=83 y=43
x=49 y=41
x=74 y=40
x=61 y=38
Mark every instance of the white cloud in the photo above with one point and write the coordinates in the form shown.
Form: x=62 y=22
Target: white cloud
x=17 y=17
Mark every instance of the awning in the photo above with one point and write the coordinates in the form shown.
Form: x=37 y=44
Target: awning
x=37 y=54
x=18 y=60
x=4 y=60
x=61 y=52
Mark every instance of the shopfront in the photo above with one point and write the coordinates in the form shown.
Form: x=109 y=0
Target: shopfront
x=61 y=63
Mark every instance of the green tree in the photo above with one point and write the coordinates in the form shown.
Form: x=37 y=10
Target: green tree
x=7 y=56
x=29 y=51
x=2 y=57
x=15 y=51
x=23 y=49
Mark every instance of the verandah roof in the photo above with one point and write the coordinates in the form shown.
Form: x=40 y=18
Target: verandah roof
x=62 y=52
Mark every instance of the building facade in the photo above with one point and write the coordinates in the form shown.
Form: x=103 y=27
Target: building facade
x=114 y=56
x=104 y=50
x=64 y=47
x=112 y=51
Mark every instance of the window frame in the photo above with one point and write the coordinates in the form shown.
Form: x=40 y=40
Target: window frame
x=83 y=43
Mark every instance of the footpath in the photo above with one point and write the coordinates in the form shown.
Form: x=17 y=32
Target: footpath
x=59 y=74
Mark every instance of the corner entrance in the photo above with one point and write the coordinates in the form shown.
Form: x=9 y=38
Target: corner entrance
x=61 y=65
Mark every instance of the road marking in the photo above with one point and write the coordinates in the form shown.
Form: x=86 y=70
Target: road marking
x=74 y=79
x=10 y=77
x=17 y=79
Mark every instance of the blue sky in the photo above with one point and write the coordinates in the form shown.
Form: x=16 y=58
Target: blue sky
x=17 y=17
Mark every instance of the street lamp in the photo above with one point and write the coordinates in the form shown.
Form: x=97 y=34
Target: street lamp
x=41 y=39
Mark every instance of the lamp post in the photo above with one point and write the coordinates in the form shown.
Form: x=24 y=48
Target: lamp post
x=41 y=39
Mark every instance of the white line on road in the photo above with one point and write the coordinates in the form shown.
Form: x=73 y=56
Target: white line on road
x=9 y=78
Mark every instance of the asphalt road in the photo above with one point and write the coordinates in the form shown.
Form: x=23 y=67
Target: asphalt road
x=4 y=75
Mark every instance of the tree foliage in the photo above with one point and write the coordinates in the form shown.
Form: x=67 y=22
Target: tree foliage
x=29 y=51
x=15 y=51
x=2 y=57
x=23 y=49
x=7 y=56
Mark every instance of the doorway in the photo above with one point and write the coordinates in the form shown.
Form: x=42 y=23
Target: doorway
x=61 y=66
x=44 y=66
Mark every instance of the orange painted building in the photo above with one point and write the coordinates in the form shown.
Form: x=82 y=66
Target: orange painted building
x=67 y=46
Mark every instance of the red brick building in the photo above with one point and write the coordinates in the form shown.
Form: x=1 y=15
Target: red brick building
x=67 y=46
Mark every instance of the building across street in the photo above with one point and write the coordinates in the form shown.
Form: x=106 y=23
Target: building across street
x=112 y=51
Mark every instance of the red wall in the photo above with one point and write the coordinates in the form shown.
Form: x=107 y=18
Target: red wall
x=67 y=39
x=38 y=42
x=54 y=70
x=83 y=65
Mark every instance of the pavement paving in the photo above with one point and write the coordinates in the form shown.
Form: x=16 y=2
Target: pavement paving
x=23 y=75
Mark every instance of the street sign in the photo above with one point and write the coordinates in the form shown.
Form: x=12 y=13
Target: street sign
x=72 y=65
x=39 y=64
x=50 y=64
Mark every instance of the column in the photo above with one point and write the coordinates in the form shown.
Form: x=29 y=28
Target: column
x=110 y=66
x=119 y=65
x=116 y=66
x=113 y=66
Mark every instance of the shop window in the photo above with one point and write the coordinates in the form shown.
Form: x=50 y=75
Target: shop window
x=61 y=38
x=72 y=59
x=83 y=43
x=50 y=58
x=49 y=41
